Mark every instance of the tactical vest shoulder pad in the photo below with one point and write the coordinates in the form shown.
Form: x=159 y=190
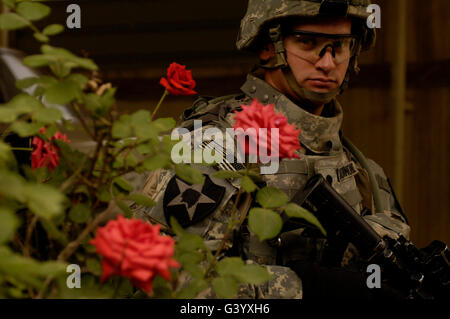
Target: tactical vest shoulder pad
x=210 y=109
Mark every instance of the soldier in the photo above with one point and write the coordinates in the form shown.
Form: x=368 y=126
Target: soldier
x=307 y=51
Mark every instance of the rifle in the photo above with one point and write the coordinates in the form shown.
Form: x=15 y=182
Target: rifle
x=419 y=273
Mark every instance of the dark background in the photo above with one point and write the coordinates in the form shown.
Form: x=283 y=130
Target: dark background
x=134 y=41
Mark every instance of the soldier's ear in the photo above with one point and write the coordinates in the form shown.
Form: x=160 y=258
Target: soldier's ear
x=267 y=52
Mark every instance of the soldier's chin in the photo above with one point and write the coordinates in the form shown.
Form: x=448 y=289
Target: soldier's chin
x=317 y=89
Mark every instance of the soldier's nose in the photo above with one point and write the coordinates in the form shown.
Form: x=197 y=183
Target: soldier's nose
x=326 y=62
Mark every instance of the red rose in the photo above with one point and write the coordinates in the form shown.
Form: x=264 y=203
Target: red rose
x=179 y=80
x=46 y=153
x=135 y=250
x=257 y=116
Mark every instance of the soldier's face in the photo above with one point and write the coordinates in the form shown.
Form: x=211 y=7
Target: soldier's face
x=325 y=74
x=321 y=76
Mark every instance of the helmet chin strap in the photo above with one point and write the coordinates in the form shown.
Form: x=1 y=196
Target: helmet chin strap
x=308 y=98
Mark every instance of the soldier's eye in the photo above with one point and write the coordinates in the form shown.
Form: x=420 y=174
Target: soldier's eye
x=306 y=41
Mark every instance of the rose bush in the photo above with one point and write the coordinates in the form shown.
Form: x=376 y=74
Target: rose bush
x=51 y=214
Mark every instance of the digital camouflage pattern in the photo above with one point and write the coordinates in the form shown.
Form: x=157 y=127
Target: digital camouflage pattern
x=260 y=13
x=322 y=153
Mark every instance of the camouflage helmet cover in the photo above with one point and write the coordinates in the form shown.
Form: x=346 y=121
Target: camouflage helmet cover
x=262 y=12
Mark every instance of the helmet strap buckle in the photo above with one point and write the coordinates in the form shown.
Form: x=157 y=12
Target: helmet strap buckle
x=280 y=52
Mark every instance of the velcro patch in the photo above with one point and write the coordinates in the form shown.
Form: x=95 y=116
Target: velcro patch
x=190 y=204
x=346 y=171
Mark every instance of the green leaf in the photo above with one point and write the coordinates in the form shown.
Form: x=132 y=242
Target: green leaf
x=63 y=92
x=78 y=78
x=161 y=288
x=43 y=200
x=25 y=103
x=12 y=21
x=47 y=115
x=265 y=223
x=229 y=266
x=144 y=149
x=8 y=114
x=8 y=224
x=68 y=56
x=12 y=185
x=33 y=10
x=41 y=37
x=157 y=161
x=142 y=200
x=295 y=211
x=25 y=129
x=189 y=174
x=122 y=128
x=20 y=104
x=190 y=258
x=10 y=3
x=164 y=124
x=176 y=227
x=7 y=159
x=39 y=60
x=80 y=213
x=27 y=270
x=225 y=287
x=140 y=121
x=108 y=98
x=270 y=197
x=53 y=29
x=94 y=266
x=125 y=208
x=27 y=82
x=248 y=185
x=194 y=287
x=62 y=68
x=122 y=183
x=190 y=242
x=104 y=194
x=44 y=81
x=253 y=274
x=227 y=175
x=195 y=270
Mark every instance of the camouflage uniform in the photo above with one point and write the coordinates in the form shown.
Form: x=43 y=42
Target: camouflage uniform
x=323 y=152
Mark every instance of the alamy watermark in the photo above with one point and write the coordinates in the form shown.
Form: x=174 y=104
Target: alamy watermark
x=374 y=279
x=211 y=146
x=374 y=20
x=73 y=21
x=74 y=279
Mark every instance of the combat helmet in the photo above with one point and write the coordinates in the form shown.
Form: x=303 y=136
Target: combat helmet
x=264 y=18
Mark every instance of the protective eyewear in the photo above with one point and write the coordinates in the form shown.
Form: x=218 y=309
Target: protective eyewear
x=312 y=46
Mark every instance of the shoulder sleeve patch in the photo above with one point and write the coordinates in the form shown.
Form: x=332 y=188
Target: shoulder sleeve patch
x=190 y=204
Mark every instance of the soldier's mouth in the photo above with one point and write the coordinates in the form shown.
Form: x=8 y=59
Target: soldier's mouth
x=322 y=83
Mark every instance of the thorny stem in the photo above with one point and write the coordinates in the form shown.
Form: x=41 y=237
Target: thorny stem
x=97 y=150
x=72 y=246
x=30 y=229
x=71 y=179
x=28 y=149
x=82 y=121
x=159 y=103
x=227 y=233
x=105 y=157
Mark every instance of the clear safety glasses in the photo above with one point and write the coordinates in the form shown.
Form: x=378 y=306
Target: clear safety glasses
x=312 y=46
